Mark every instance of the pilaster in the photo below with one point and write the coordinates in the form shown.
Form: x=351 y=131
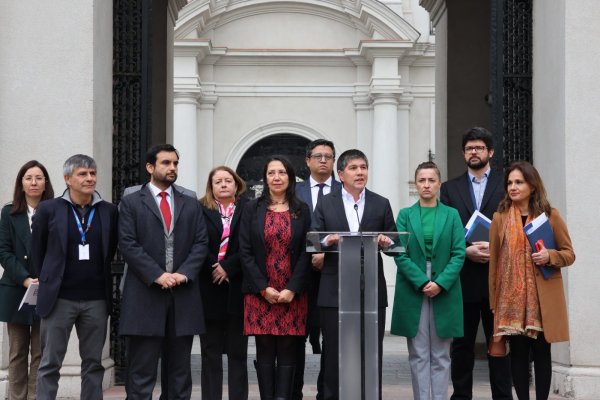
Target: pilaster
x=185 y=137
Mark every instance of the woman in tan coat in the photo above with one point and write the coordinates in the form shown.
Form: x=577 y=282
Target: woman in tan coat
x=528 y=309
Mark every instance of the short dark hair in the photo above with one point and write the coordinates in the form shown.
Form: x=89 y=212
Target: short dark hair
x=348 y=156
x=19 y=204
x=319 y=142
x=478 y=133
x=157 y=148
x=428 y=165
x=290 y=192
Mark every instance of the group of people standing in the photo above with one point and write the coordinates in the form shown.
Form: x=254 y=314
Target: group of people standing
x=226 y=268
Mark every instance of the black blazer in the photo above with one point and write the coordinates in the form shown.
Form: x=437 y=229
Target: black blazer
x=226 y=298
x=303 y=191
x=15 y=244
x=49 y=247
x=456 y=193
x=330 y=216
x=253 y=252
x=145 y=305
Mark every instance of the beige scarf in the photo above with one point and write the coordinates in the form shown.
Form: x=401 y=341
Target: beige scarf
x=517 y=304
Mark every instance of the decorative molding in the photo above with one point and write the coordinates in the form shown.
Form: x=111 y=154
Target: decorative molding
x=371 y=17
x=206 y=53
x=436 y=9
x=173 y=7
x=272 y=128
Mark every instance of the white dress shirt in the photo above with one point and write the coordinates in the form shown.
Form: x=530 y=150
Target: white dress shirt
x=314 y=189
x=349 y=203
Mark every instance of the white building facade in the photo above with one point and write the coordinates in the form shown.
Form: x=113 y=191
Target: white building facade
x=365 y=74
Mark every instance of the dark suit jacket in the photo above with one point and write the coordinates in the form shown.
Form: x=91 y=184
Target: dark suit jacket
x=145 y=305
x=226 y=298
x=330 y=216
x=15 y=242
x=456 y=193
x=49 y=247
x=304 y=193
x=253 y=251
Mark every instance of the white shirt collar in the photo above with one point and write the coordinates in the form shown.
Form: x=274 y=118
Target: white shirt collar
x=155 y=190
x=314 y=183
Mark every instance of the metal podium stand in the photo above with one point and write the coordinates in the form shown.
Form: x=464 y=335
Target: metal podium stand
x=358 y=308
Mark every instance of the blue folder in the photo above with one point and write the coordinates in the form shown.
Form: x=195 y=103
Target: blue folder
x=538 y=229
x=478 y=228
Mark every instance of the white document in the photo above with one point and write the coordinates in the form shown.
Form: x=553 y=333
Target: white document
x=30 y=298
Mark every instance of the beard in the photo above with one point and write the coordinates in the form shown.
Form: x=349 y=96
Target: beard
x=164 y=179
x=479 y=163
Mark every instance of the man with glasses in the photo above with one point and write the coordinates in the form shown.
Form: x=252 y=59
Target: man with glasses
x=320 y=157
x=479 y=188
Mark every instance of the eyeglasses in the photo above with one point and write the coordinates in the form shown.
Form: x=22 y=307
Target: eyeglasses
x=477 y=149
x=319 y=157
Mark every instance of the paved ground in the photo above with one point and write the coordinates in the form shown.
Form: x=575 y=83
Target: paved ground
x=396 y=375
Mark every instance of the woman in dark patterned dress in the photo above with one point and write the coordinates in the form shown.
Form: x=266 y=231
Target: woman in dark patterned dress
x=275 y=267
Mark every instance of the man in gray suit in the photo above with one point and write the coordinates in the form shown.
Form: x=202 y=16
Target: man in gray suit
x=162 y=238
x=320 y=157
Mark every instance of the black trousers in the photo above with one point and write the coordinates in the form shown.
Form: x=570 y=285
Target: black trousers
x=224 y=337
x=463 y=356
x=330 y=352
x=521 y=347
x=143 y=353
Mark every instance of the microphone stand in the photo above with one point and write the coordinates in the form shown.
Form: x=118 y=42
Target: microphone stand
x=362 y=310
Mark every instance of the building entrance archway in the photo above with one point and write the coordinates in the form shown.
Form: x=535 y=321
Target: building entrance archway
x=250 y=167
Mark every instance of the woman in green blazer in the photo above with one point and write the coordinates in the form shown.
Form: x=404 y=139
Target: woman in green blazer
x=428 y=299
x=32 y=186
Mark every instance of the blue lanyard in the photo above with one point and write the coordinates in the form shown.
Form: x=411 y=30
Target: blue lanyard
x=79 y=227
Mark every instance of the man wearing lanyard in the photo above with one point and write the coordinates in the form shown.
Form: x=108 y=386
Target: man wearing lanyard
x=162 y=237
x=73 y=241
x=479 y=188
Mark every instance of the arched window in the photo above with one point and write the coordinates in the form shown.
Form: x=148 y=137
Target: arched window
x=252 y=163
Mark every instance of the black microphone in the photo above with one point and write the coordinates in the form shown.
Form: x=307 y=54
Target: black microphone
x=357 y=217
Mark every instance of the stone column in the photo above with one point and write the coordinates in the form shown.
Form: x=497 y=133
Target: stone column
x=56 y=98
x=205 y=148
x=566 y=93
x=386 y=163
x=185 y=137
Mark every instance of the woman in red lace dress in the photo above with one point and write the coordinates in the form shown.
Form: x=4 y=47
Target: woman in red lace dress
x=275 y=267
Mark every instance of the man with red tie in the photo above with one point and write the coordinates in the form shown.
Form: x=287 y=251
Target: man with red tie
x=162 y=237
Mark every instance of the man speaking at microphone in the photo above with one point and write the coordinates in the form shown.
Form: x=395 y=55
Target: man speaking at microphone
x=352 y=208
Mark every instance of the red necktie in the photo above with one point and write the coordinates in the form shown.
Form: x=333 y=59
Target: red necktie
x=165 y=210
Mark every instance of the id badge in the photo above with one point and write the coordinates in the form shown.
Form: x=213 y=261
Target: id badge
x=84 y=252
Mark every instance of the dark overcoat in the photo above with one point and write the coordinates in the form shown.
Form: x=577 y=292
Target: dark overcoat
x=145 y=305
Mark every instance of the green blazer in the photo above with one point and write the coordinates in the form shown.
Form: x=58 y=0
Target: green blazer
x=15 y=241
x=447 y=260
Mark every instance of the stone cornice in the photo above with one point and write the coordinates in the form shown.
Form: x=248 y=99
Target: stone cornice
x=206 y=53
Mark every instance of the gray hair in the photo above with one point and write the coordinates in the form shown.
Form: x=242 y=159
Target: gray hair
x=78 y=161
x=348 y=156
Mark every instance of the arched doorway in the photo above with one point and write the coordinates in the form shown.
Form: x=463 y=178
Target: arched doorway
x=251 y=165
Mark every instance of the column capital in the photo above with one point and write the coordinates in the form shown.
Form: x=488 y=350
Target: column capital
x=190 y=97
x=207 y=102
x=381 y=98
